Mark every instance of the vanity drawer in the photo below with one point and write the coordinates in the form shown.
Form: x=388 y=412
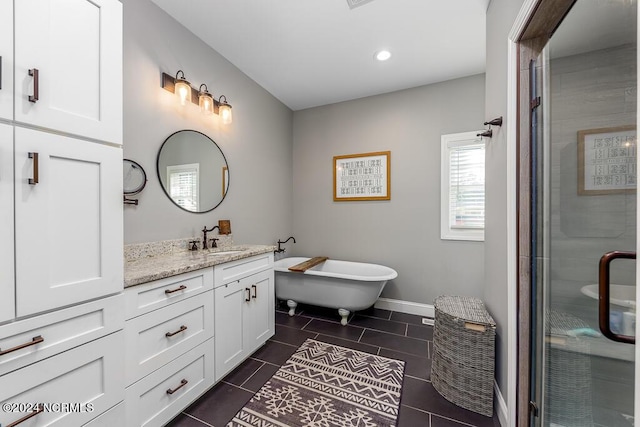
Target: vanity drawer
x=235 y=270
x=89 y=377
x=59 y=331
x=151 y=296
x=156 y=338
x=113 y=417
x=161 y=395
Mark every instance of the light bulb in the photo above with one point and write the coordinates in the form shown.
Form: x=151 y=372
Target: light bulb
x=225 y=113
x=205 y=100
x=183 y=90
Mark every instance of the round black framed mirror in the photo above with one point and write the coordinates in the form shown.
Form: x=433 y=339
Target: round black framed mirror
x=193 y=171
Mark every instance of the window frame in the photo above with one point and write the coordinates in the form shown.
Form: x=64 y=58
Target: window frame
x=447 y=232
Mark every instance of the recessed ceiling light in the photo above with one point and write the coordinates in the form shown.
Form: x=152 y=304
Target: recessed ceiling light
x=382 y=55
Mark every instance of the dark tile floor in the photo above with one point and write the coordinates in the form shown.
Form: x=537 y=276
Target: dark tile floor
x=390 y=334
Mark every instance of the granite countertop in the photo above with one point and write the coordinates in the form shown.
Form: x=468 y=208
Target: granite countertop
x=151 y=268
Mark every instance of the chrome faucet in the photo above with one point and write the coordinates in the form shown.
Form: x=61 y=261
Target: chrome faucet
x=204 y=237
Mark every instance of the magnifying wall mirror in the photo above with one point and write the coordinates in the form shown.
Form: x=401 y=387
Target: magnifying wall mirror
x=134 y=180
x=193 y=171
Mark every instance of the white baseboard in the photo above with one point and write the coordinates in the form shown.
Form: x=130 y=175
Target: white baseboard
x=500 y=405
x=408 y=307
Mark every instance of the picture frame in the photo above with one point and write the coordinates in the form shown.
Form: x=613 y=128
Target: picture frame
x=607 y=160
x=361 y=177
x=225 y=180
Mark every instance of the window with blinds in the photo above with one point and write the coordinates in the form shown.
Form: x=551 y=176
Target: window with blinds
x=462 y=186
x=184 y=185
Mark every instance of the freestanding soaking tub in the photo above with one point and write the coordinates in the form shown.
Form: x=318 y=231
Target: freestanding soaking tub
x=345 y=285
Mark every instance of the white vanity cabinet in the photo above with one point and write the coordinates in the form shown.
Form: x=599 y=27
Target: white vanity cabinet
x=7 y=285
x=6 y=59
x=68 y=66
x=68 y=225
x=244 y=309
x=169 y=335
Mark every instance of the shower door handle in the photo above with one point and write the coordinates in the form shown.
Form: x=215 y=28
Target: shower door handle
x=604 y=294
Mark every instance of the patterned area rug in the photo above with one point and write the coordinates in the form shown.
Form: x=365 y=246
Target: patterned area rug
x=323 y=385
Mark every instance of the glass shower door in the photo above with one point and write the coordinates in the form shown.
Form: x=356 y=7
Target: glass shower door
x=586 y=217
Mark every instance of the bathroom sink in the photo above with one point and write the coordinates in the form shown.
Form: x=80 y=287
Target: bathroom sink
x=621 y=295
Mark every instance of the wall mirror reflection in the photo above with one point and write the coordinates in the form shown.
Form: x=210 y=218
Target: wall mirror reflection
x=193 y=171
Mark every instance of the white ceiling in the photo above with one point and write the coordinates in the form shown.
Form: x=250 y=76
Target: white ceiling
x=316 y=52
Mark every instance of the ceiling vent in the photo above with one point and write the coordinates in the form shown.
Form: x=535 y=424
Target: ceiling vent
x=355 y=3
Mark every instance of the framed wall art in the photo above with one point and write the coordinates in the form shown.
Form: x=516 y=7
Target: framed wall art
x=364 y=176
x=607 y=160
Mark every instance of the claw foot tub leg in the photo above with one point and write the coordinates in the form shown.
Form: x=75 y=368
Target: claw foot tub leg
x=345 y=314
x=292 y=307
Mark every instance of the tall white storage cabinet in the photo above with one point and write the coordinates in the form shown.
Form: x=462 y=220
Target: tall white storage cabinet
x=6 y=59
x=68 y=66
x=7 y=285
x=61 y=225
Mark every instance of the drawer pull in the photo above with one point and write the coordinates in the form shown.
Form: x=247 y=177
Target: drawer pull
x=34 y=341
x=170 y=334
x=26 y=417
x=180 y=288
x=255 y=291
x=248 y=291
x=36 y=84
x=34 y=180
x=182 y=384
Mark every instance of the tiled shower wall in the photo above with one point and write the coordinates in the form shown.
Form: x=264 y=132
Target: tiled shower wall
x=588 y=91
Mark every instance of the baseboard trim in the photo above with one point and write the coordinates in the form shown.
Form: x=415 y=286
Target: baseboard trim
x=408 y=307
x=500 y=405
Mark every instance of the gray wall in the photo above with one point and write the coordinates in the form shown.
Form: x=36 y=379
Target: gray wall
x=403 y=233
x=258 y=145
x=500 y=17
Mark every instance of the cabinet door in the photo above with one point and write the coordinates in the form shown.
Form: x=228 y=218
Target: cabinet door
x=6 y=59
x=7 y=284
x=76 y=46
x=230 y=301
x=69 y=224
x=261 y=310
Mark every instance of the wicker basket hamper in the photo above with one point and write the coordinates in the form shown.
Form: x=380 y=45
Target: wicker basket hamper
x=463 y=364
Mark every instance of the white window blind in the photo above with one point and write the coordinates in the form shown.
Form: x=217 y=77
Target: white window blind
x=184 y=185
x=463 y=172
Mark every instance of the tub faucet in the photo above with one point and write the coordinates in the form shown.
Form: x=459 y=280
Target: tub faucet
x=279 y=250
x=204 y=236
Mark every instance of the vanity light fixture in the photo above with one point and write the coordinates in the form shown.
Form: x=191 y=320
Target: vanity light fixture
x=205 y=100
x=225 y=110
x=182 y=88
x=208 y=104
